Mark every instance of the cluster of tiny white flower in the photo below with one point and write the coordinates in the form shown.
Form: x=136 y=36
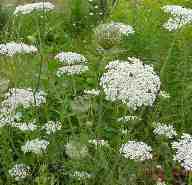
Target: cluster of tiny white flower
x=81 y=175
x=36 y=146
x=72 y=70
x=92 y=92
x=19 y=171
x=138 y=151
x=51 y=127
x=12 y=48
x=24 y=126
x=125 y=119
x=28 y=8
x=24 y=97
x=184 y=151
x=165 y=130
x=180 y=17
x=70 y=58
x=123 y=28
x=110 y=34
x=132 y=83
x=99 y=142
x=74 y=63
x=76 y=150
x=164 y=94
x=5 y=119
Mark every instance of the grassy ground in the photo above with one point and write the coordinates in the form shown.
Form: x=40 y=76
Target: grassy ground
x=171 y=56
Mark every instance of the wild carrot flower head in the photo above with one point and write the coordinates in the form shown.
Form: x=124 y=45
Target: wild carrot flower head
x=180 y=17
x=19 y=171
x=131 y=82
x=72 y=70
x=28 y=8
x=24 y=97
x=76 y=150
x=12 y=48
x=52 y=126
x=70 y=58
x=183 y=149
x=36 y=146
x=165 y=130
x=110 y=34
x=138 y=151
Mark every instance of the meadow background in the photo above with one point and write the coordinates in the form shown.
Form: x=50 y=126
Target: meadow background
x=71 y=28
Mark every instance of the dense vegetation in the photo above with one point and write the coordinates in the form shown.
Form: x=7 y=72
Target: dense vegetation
x=72 y=28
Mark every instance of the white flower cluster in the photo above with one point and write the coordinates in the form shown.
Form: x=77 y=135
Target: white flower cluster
x=99 y=142
x=36 y=146
x=5 y=119
x=51 y=127
x=165 y=130
x=110 y=34
x=70 y=58
x=92 y=92
x=72 y=70
x=81 y=175
x=180 y=17
x=24 y=126
x=76 y=150
x=123 y=28
x=12 y=48
x=125 y=119
x=132 y=83
x=164 y=94
x=184 y=151
x=138 y=151
x=28 y=8
x=74 y=63
x=19 y=171
x=24 y=97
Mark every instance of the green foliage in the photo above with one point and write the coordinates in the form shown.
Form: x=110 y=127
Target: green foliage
x=72 y=29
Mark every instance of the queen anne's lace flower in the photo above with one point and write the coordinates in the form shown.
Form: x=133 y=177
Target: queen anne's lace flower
x=165 y=130
x=19 y=171
x=123 y=28
x=180 y=17
x=184 y=151
x=70 y=58
x=12 y=48
x=52 y=126
x=138 y=151
x=24 y=97
x=110 y=34
x=5 y=119
x=76 y=150
x=72 y=70
x=28 y=8
x=24 y=126
x=132 y=83
x=36 y=146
